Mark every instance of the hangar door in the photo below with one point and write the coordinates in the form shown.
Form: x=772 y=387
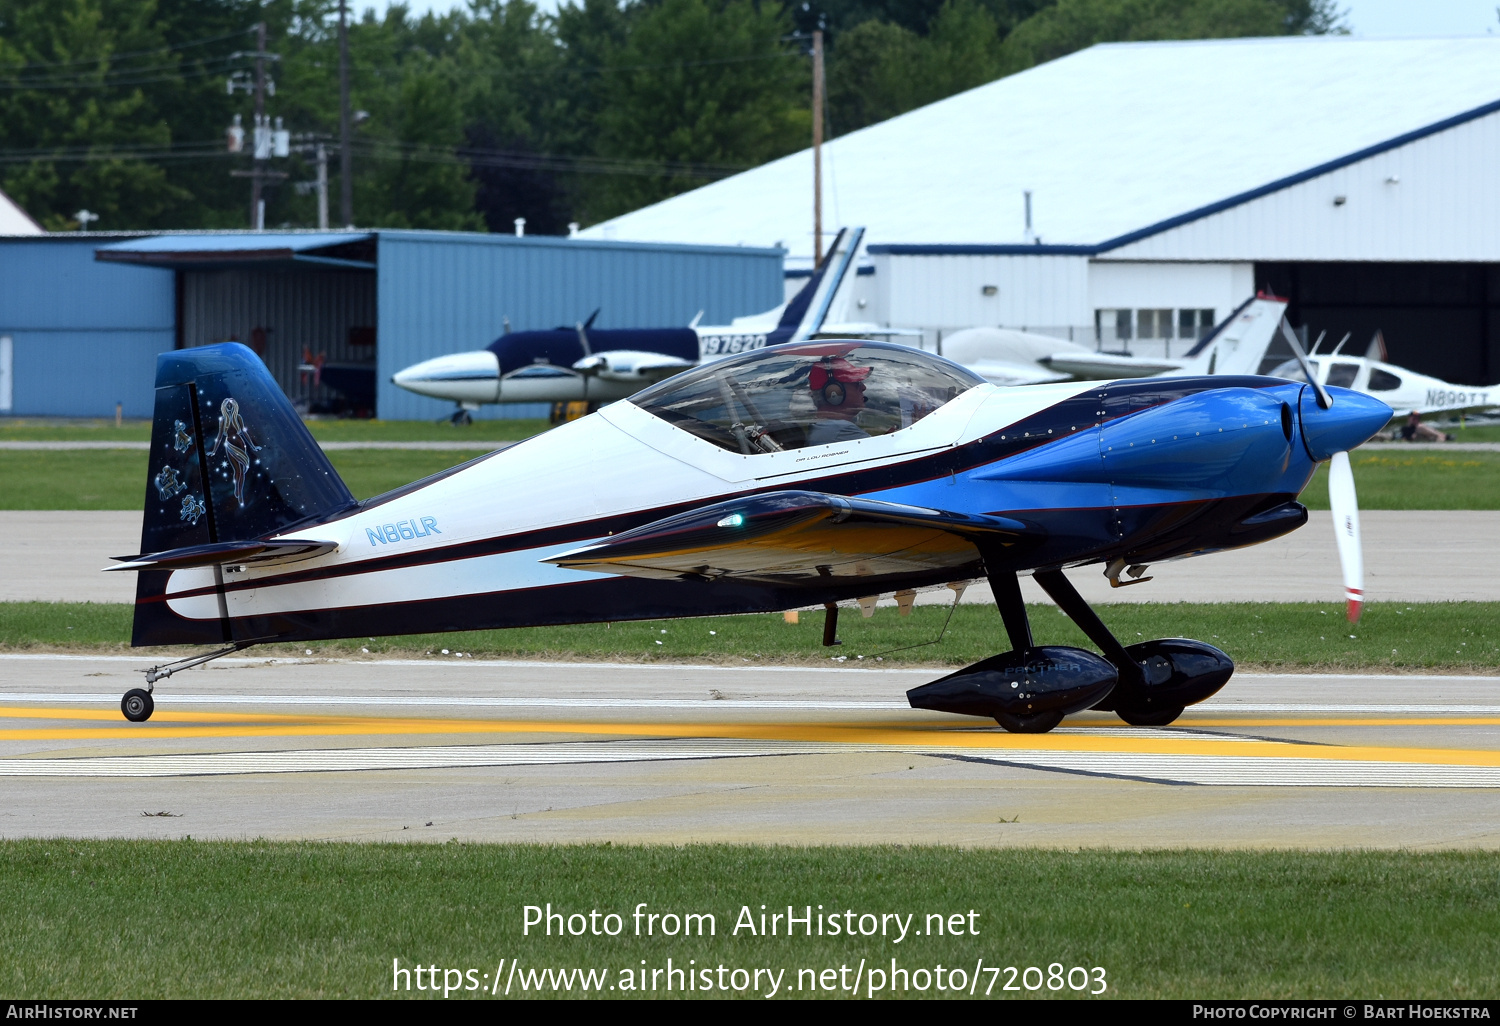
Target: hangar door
x=304 y=301
x=314 y=329
x=1439 y=319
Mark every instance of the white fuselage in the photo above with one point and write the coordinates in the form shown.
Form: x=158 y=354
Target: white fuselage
x=1403 y=390
x=620 y=460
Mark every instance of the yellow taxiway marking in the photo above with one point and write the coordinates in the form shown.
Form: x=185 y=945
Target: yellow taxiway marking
x=484 y=725
x=174 y=724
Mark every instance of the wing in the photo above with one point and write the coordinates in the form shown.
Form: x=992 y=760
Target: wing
x=631 y=365
x=1106 y=366
x=864 y=329
x=797 y=537
x=998 y=372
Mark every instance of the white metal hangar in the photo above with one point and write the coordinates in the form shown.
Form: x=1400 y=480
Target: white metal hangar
x=1144 y=190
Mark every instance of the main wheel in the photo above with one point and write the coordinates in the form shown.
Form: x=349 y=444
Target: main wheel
x=137 y=705
x=1150 y=717
x=1035 y=723
x=461 y=418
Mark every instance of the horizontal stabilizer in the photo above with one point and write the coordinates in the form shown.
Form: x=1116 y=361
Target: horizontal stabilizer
x=222 y=553
x=797 y=537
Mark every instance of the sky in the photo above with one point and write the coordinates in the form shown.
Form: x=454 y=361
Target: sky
x=1364 y=17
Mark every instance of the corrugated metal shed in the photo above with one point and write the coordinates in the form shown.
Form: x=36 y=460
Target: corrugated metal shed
x=85 y=335
x=442 y=292
x=88 y=313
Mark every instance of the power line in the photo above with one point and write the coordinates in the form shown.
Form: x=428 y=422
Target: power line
x=125 y=77
x=139 y=53
x=386 y=150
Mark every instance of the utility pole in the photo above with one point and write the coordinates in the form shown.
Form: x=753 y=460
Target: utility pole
x=322 y=187
x=346 y=156
x=268 y=140
x=817 y=119
x=257 y=204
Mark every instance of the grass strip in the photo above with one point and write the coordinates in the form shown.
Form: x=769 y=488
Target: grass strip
x=1449 y=637
x=116 y=479
x=37 y=429
x=1423 y=478
x=188 y=919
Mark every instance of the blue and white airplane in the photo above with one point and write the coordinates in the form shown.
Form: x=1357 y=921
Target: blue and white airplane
x=596 y=365
x=807 y=473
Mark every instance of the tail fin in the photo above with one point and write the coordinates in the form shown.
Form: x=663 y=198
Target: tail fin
x=809 y=308
x=231 y=461
x=1239 y=342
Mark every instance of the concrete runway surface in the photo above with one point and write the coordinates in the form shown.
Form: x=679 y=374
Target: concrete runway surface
x=424 y=750
x=1410 y=556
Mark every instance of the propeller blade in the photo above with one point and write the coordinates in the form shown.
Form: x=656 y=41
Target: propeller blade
x=1324 y=399
x=1345 y=506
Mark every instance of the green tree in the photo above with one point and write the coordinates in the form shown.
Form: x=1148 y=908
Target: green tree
x=421 y=184
x=69 y=98
x=695 y=83
x=519 y=111
x=1071 y=25
x=404 y=77
x=880 y=70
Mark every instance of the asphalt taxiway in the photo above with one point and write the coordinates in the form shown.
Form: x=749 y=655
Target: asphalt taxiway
x=517 y=751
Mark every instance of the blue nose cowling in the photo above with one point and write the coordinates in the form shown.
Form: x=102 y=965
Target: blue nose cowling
x=1352 y=420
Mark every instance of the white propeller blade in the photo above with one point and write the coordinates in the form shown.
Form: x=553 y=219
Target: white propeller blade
x=1345 y=506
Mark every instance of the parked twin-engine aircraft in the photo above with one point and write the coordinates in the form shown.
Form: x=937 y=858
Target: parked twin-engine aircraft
x=1237 y=345
x=588 y=364
x=1008 y=357
x=801 y=474
x=1406 y=391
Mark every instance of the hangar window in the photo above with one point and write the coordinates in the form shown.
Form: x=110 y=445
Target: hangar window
x=1383 y=381
x=809 y=393
x=1194 y=324
x=1153 y=323
x=1116 y=326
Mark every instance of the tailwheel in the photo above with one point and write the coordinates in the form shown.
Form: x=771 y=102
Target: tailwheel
x=1158 y=717
x=137 y=705
x=1033 y=723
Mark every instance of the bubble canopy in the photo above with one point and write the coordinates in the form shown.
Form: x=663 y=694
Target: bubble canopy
x=806 y=393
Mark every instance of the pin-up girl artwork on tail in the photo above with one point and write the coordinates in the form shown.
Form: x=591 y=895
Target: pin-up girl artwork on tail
x=235 y=438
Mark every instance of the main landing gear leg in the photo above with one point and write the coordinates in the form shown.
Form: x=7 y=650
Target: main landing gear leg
x=1080 y=612
x=1158 y=679
x=1029 y=689
x=1007 y=589
x=138 y=705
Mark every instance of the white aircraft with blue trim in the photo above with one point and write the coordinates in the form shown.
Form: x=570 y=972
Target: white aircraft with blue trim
x=1404 y=390
x=1236 y=345
x=596 y=365
x=808 y=473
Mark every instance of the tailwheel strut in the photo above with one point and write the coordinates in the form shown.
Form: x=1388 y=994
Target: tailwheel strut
x=138 y=703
